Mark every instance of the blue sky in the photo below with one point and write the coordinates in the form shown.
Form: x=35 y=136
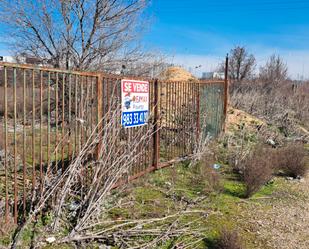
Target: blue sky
x=201 y=32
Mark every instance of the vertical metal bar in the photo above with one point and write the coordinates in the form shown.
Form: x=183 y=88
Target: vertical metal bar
x=76 y=117
x=226 y=90
x=24 y=143
x=187 y=108
x=62 y=123
x=48 y=122
x=163 y=115
x=56 y=122
x=169 y=120
x=91 y=120
x=174 y=118
x=183 y=117
x=150 y=144
x=92 y=104
x=108 y=102
x=217 y=109
x=87 y=108
x=192 y=104
x=15 y=148
x=179 y=117
x=87 y=127
x=189 y=113
x=33 y=131
x=6 y=146
x=198 y=120
x=70 y=119
x=99 y=111
x=41 y=132
x=81 y=113
x=156 y=135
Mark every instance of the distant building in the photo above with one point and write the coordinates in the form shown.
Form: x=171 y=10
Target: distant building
x=207 y=75
x=10 y=59
x=219 y=75
x=213 y=75
x=24 y=59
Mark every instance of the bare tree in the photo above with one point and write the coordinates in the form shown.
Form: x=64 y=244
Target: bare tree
x=275 y=70
x=78 y=34
x=241 y=64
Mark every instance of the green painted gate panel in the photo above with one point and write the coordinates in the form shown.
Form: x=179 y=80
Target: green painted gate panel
x=211 y=109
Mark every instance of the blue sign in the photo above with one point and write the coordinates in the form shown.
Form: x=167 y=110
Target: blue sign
x=131 y=119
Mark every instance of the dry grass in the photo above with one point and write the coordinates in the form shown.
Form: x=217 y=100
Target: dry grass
x=291 y=160
x=284 y=104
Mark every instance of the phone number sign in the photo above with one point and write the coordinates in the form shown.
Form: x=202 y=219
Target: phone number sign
x=134 y=102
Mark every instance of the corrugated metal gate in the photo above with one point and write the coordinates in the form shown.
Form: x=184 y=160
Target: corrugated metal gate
x=212 y=108
x=47 y=115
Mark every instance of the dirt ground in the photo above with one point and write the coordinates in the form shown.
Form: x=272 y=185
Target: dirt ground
x=282 y=220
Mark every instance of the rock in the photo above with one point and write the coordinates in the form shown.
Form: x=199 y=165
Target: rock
x=50 y=240
x=168 y=183
x=271 y=142
x=260 y=223
x=104 y=247
x=81 y=121
x=73 y=206
x=139 y=227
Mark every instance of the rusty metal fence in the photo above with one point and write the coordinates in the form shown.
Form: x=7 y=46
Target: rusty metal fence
x=47 y=115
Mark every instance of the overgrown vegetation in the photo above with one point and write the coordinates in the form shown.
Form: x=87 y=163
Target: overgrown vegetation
x=291 y=160
x=207 y=173
x=257 y=169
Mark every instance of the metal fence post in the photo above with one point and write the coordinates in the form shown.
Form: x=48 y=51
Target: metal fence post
x=226 y=90
x=198 y=111
x=99 y=112
x=156 y=132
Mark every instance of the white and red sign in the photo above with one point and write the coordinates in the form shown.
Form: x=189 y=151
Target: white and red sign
x=135 y=103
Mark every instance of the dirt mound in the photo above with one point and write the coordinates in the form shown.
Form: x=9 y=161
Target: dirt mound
x=237 y=118
x=176 y=74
